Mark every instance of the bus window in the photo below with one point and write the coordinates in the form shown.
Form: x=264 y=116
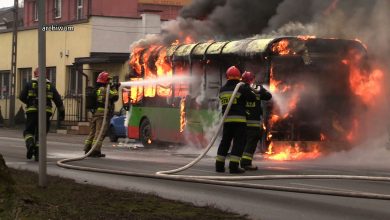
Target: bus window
x=164 y=69
x=197 y=82
x=213 y=79
x=136 y=92
x=181 y=88
x=150 y=90
x=126 y=98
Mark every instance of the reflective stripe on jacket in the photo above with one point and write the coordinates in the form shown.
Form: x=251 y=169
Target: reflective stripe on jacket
x=29 y=96
x=101 y=98
x=254 y=110
x=237 y=112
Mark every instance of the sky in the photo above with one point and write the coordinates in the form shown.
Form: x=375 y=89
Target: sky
x=7 y=3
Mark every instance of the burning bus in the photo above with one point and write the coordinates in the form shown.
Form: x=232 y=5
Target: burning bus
x=318 y=87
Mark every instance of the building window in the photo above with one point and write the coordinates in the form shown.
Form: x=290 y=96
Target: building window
x=24 y=77
x=57 y=8
x=79 y=9
x=4 y=84
x=35 y=11
x=75 y=82
x=51 y=74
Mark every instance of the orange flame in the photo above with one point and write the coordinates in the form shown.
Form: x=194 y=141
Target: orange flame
x=306 y=37
x=352 y=134
x=135 y=60
x=188 y=40
x=322 y=137
x=136 y=92
x=183 y=121
x=366 y=86
x=164 y=68
x=175 y=43
x=363 y=83
x=295 y=152
x=281 y=47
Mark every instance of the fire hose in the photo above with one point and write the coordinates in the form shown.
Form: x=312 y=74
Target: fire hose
x=231 y=180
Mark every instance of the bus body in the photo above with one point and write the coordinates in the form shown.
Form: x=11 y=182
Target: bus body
x=310 y=79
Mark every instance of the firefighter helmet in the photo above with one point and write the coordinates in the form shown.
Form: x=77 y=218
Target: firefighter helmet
x=233 y=73
x=104 y=77
x=248 y=77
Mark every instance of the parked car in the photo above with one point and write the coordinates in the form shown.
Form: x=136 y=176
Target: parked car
x=117 y=127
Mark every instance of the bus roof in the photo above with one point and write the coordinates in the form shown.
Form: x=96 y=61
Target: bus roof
x=255 y=46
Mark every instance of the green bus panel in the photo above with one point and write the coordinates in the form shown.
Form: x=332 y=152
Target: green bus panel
x=165 y=122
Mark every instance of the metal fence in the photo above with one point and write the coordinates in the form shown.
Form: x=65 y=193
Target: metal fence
x=74 y=109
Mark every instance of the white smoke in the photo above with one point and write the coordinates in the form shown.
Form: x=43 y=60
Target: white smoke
x=369 y=154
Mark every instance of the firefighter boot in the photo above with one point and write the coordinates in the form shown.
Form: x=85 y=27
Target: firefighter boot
x=36 y=153
x=219 y=166
x=87 y=148
x=234 y=168
x=96 y=153
x=30 y=148
x=247 y=164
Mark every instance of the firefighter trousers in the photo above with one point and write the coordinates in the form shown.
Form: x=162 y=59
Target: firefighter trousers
x=96 y=125
x=254 y=135
x=31 y=127
x=236 y=132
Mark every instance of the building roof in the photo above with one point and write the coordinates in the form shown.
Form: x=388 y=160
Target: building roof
x=7 y=17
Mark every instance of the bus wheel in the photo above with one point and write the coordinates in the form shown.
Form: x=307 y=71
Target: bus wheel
x=146 y=133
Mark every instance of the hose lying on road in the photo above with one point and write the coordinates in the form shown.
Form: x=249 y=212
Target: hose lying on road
x=229 y=180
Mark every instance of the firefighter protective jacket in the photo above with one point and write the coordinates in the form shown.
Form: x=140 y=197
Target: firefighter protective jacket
x=101 y=98
x=237 y=110
x=29 y=96
x=254 y=109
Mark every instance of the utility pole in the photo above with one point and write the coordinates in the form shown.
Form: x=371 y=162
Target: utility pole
x=11 y=117
x=42 y=93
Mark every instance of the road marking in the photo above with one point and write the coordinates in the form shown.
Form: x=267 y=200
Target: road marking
x=324 y=187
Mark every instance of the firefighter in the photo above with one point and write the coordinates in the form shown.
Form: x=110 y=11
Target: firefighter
x=234 y=127
x=253 y=123
x=102 y=81
x=29 y=96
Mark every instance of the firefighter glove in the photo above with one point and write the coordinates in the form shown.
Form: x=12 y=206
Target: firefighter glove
x=256 y=88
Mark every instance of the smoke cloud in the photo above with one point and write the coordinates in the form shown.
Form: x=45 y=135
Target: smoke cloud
x=366 y=20
x=217 y=20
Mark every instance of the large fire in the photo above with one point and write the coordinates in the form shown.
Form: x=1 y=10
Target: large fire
x=292 y=152
x=288 y=151
x=365 y=84
x=151 y=62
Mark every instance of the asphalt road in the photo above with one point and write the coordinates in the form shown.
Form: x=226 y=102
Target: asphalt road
x=258 y=204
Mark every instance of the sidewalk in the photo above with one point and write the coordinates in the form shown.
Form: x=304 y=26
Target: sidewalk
x=67 y=138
